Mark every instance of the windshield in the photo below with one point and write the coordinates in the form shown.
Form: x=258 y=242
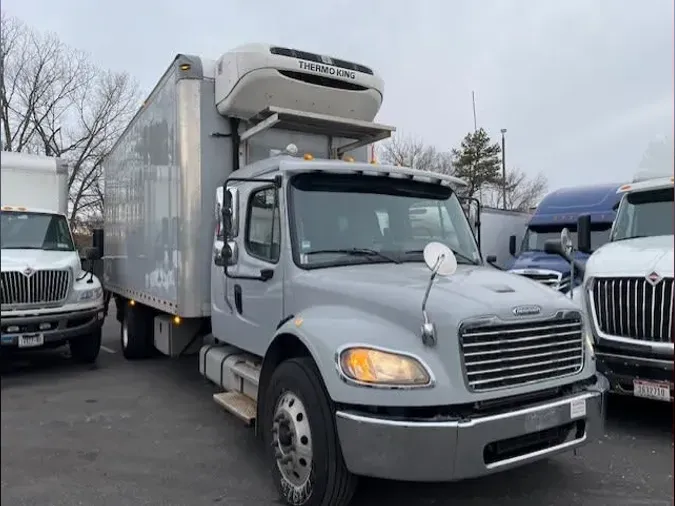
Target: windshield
x=347 y=219
x=645 y=214
x=35 y=231
x=536 y=237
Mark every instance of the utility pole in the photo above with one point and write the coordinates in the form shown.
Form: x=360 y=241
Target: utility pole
x=503 y=169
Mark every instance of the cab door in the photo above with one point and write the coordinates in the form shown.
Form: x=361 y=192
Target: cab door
x=253 y=282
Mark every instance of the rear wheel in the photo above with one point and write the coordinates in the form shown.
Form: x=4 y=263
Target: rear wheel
x=85 y=349
x=299 y=424
x=136 y=333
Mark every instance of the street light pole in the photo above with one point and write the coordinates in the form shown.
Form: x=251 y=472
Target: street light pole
x=503 y=169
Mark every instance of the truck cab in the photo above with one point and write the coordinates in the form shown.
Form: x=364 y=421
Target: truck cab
x=48 y=300
x=628 y=290
x=357 y=338
x=558 y=210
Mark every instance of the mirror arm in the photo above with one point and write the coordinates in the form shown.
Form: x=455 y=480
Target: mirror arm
x=428 y=328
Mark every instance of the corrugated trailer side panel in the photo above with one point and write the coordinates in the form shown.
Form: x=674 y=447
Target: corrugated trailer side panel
x=141 y=204
x=161 y=179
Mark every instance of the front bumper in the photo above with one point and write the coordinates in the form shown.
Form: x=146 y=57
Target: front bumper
x=622 y=367
x=62 y=326
x=435 y=451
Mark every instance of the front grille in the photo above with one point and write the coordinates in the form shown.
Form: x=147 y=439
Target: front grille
x=634 y=308
x=313 y=57
x=39 y=287
x=549 y=278
x=515 y=354
x=546 y=279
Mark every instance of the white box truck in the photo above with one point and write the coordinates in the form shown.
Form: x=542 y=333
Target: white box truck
x=48 y=300
x=245 y=222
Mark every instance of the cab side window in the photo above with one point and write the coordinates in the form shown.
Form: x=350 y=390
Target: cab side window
x=263 y=229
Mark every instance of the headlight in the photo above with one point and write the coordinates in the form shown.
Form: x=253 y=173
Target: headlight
x=377 y=367
x=93 y=294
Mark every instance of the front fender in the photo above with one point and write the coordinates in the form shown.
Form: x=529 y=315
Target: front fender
x=324 y=329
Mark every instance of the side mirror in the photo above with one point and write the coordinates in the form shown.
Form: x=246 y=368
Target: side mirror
x=555 y=247
x=512 y=245
x=97 y=240
x=230 y=253
x=584 y=233
x=92 y=254
x=226 y=213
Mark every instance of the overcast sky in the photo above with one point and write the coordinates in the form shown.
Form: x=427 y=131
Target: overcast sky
x=582 y=86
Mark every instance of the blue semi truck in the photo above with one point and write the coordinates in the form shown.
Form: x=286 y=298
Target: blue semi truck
x=560 y=209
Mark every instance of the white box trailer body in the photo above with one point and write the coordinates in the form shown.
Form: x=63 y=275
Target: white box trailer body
x=34 y=181
x=161 y=176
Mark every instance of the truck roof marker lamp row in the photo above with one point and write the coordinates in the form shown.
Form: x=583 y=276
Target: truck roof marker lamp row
x=292 y=150
x=441 y=262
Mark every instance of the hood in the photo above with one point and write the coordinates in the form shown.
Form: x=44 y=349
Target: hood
x=20 y=259
x=542 y=260
x=395 y=292
x=633 y=257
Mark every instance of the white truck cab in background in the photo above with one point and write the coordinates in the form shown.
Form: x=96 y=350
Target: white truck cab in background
x=628 y=290
x=48 y=300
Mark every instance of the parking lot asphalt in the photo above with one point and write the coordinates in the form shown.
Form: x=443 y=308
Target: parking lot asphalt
x=149 y=433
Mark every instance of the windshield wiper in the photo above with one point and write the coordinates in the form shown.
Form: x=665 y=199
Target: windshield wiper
x=356 y=252
x=459 y=255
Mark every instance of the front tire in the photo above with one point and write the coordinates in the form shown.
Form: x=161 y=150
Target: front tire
x=136 y=333
x=85 y=349
x=301 y=437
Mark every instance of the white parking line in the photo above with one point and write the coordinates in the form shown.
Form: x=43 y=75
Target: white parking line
x=108 y=350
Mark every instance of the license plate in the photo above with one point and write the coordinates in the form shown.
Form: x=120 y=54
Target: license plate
x=651 y=390
x=540 y=420
x=31 y=340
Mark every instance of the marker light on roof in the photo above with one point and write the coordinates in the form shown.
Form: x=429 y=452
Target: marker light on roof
x=292 y=149
x=308 y=157
x=349 y=159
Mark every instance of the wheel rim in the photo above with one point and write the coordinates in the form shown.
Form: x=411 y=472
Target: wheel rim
x=125 y=334
x=292 y=440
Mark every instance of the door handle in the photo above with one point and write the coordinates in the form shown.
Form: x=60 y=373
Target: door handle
x=237 y=298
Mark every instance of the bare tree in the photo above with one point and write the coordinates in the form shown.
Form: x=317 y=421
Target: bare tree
x=522 y=192
x=54 y=101
x=408 y=151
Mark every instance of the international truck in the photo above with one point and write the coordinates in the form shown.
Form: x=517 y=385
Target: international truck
x=48 y=300
x=558 y=210
x=628 y=289
x=246 y=224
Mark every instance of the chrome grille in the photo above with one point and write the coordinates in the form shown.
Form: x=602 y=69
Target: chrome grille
x=634 y=308
x=515 y=354
x=38 y=287
x=549 y=278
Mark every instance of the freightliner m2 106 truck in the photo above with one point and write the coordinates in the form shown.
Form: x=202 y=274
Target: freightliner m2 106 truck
x=628 y=289
x=245 y=222
x=48 y=300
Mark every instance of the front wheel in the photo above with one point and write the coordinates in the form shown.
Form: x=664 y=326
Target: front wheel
x=85 y=349
x=299 y=424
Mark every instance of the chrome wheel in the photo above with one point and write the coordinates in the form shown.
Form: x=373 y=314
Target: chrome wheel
x=292 y=440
